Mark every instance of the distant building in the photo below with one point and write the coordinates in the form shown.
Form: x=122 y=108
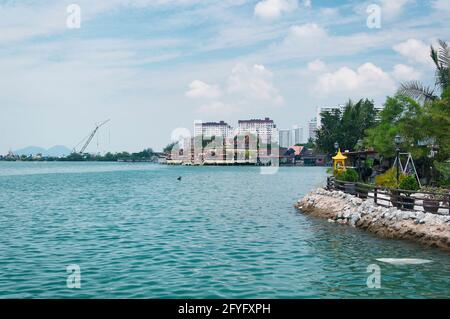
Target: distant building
x=265 y=129
x=312 y=129
x=288 y=138
x=297 y=135
x=209 y=129
x=285 y=138
x=378 y=110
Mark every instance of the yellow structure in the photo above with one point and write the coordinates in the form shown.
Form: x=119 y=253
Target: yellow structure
x=339 y=162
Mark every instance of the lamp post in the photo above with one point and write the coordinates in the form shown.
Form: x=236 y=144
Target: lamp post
x=433 y=151
x=359 y=145
x=398 y=140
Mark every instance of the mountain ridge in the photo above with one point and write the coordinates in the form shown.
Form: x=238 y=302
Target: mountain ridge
x=54 y=151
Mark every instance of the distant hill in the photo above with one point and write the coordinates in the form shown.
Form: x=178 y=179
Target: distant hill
x=55 y=151
x=30 y=150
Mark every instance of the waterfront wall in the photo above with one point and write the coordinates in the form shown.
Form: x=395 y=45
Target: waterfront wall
x=345 y=209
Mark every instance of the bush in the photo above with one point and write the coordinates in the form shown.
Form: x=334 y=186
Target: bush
x=389 y=179
x=409 y=183
x=349 y=175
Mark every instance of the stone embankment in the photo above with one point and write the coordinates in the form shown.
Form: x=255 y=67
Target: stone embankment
x=338 y=207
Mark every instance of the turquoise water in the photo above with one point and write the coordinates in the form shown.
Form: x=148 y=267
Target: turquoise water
x=135 y=231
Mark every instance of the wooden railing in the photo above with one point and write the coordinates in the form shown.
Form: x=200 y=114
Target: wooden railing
x=401 y=199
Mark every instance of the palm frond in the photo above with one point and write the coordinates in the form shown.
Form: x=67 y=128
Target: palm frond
x=443 y=78
x=417 y=91
x=444 y=55
x=435 y=56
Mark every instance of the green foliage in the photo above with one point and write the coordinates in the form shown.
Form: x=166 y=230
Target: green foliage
x=420 y=92
x=389 y=179
x=345 y=127
x=144 y=155
x=308 y=145
x=350 y=175
x=421 y=126
x=169 y=147
x=409 y=183
x=444 y=174
x=401 y=115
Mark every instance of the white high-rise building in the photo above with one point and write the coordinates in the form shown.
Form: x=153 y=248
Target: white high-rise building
x=209 y=129
x=285 y=138
x=297 y=135
x=266 y=128
x=312 y=129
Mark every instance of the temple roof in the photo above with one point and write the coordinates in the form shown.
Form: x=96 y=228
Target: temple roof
x=339 y=156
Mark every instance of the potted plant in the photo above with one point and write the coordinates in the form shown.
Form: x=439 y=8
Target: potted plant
x=433 y=198
x=388 y=180
x=408 y=183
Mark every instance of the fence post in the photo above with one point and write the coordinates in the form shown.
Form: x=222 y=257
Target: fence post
x=375 y=195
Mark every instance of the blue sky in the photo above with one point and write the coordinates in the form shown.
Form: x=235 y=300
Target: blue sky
x=153 y=66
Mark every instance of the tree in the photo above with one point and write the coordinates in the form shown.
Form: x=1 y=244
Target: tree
x=401 y=115
x=345 y=127
x=309 y=145
x=420 y=92
x=169 y=147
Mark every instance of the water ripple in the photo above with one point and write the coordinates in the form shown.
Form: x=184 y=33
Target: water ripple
x=137 y=232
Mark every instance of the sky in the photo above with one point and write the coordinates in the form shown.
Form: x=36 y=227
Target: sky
x=155 y=66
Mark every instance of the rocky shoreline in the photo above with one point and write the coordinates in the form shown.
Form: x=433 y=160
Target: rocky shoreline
x=428 y=229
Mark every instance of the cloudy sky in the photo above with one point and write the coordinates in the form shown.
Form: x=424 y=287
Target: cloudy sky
x=152 y=66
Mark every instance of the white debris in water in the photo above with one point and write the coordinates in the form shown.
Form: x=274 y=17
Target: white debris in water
x=404 y=261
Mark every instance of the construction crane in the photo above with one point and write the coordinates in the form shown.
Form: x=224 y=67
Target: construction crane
x=87 y=140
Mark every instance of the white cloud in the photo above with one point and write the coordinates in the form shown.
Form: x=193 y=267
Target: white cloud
x=307 y=3
x=248 y=87
x=317 y=66
x=441 y=5
x=254 y=83
x=415 y=50
x=368 y=80
x=199 y=89
x=308 y=31
x=310 y=40
x=272 y=9
x=218 y=108
x=403 y=72
x=393 y=8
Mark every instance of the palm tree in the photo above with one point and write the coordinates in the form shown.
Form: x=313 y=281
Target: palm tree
x=420 y=92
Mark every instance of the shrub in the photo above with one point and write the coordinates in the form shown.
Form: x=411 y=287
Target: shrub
x=409 y=183
x=389 y=179
x=350 y=175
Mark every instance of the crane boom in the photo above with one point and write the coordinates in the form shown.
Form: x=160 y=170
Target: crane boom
x=91 y=136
